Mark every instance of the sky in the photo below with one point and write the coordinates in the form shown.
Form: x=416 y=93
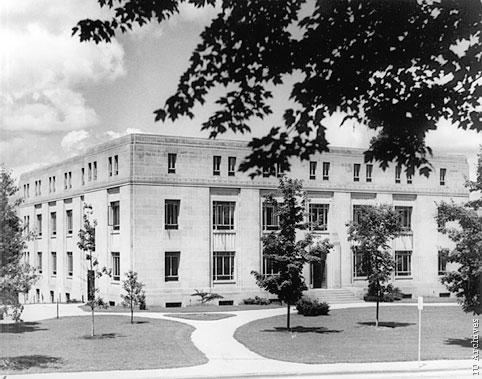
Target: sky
x=59 y=96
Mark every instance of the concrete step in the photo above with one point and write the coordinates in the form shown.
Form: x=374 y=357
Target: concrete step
x=333 y=296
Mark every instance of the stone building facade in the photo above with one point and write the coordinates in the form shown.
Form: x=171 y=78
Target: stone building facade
x=177 y=211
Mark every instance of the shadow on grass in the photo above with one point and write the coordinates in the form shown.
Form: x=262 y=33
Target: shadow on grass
x=464 y=342
x=302 y=329
x=24 y=362
x=103 y=336
x=22 y=327
x=389 y=324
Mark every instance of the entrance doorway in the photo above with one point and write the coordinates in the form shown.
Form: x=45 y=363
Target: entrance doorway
x=318 y=274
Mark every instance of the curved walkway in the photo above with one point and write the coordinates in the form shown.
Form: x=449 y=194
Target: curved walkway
x=229 y=358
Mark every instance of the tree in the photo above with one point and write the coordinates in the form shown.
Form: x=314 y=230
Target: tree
x=15 y=276
x=86 y=243
x=371 y=233
x=398 y=67
x=134 y=293
x=287 y=254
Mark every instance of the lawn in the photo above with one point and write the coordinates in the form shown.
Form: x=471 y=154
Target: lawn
x=349 y=335
x=65 y=345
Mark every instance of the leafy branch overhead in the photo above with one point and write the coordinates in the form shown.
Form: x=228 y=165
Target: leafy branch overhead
x=398 y=67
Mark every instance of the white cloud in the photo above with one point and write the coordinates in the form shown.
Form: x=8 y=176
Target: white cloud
x=74 y=141
x=113 y=135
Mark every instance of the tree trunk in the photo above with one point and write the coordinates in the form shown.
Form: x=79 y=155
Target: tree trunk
x=288 y=316
x=378 y=303
x=132 y=313
x=92 y=331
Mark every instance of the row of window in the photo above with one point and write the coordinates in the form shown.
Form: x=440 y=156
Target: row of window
x=53 y=224
x=172 y=160
x=113 y=170
x=53 y=263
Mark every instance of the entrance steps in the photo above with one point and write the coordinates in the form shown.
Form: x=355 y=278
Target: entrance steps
x=333 y=296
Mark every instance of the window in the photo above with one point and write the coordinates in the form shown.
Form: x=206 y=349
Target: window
x=326 y=170
x=116 y=266
x=403 y=263
x=223 y=215
x=114 y=215
x=116 y=165
x=39 y=262
x=94 y=171
x=266 y=172
x=217 y=165
x=318 y=216
x=443 y=171
x=82 y=176
x=442 y=261
x=171 y=266
x=54 y=263
x=409 y=178
x=405 y=215
x=171 y=214
x=89 y=172
x=270 y=217
x=356 y=172
x=110 y=166
x=28 y=190
x=39 y=225
x=369 y=172
x=171 y=163
x=65 y=181
x=231 y=166
x=398 y=173
x=53 y=183
x=53 y=223
x=68 y=221
x=269 y=266
x=70 y=179
x=313 y=170
x=279 y=170
x=357 y=211
x=70 y=264
x=50 y=184
x=223 y=265
x=26 y=223
x=358 y=265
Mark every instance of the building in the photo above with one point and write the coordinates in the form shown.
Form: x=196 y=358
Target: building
x=177 y=211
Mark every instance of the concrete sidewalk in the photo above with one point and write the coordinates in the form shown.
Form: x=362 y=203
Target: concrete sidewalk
x=230 y=359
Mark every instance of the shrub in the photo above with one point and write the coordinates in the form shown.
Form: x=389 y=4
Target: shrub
x=311 y=307
x=256 y=301
x=391 y=294
x=206 y=296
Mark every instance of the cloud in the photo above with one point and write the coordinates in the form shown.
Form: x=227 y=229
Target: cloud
x=75 y=141
x=113 y=135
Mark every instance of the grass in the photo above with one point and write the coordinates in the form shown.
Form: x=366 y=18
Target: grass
x=349 y=335
x=65 y=345
x=201 y=316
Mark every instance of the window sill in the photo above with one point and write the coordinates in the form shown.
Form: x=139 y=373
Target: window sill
x=224 y=281
x=70 y=277
x=166 y=227
x=171 y=280
x=408 y=277
x=115 y=281
x=225 y=231
x=113 y=232
x=360 y=278
x=69 y=235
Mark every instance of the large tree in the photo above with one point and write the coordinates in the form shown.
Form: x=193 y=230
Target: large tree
x=16 y=276
x=398 y=67
x=371 y=232
x=287 y=254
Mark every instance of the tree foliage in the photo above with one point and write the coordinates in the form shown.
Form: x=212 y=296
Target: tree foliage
x=134 y=293
x=86 y=243
x=396 y=66
x=288 y=254
x=370 y=234
x=16 y=277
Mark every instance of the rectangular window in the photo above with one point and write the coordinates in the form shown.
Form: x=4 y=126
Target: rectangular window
x=171 y=163
x=326 y=170
x=279 y=171
x=357 y=211
x=82 y=176
x=50 y=184
x=89 y=172
x=110 y=166
x=403 y=263
x=409 y=178
x=39 y=225
x=443 y=172
x=40 y=187
x=358 y=265
x=269 y=266
x=69 y=222
x=270 y=217
x=39 y=262
x=65 y=181
x=217 y=165
x=313 y=170
x=171 y=266
x=266 y=172
x=231 y=166
x=318 y=215
x=28 y=190
x=116 y=165
x=114 y=215
x=369 y=172
x=70 y=264
x=405 y=215
x=356 y=172
x=53 y=223
x=54 y=263
x=223 y=265
x=70 y=179
x=442 y=261
x=223 y=215
x=53 y=183
x=398 y=174
x=94 y=171
x=171 y=214
x=116 y=266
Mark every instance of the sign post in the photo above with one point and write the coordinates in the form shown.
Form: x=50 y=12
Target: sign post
x=420 y=307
